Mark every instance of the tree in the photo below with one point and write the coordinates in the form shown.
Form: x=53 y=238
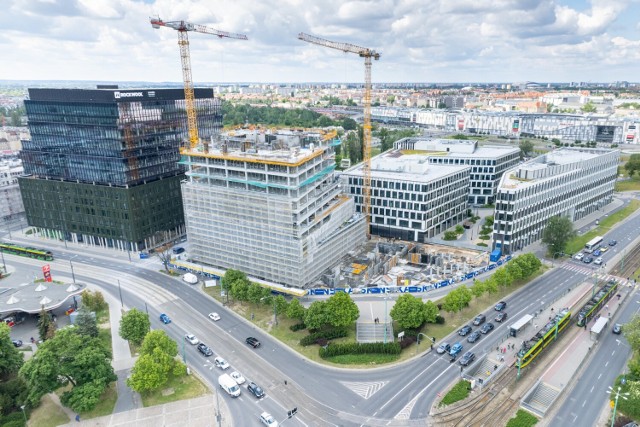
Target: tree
x=281 y=304
x=164 y=255
x=45 y=324
x=230 y=277
x=631 y=332
x=408 y=311
x=93 y=301
x=158 y=339
x=11 y=359
x=589 y=107
x=156 y=362
x=633 y=165
x=69 y=358
x=478 y=288
x=255 y=293
x=341 y=309
x=85 y=323
x=134 y=326
x=501 y=277
x=240 y=290
x=526 y=147
x=515 y=271
x=295 y=310
x=431 y=312
x=557 y=234
x=316 y=315
x=349 y=124
x=457 y=299
x=491 y=285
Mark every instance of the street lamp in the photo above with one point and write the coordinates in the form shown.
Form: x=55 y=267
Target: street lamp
x=73 y=276
x=385 y=318
x=615 y=406
x=275 y=316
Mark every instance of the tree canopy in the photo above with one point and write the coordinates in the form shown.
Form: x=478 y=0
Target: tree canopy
x=134 y=325
x=295 y=310
x=11 y=359
x=526 y=147
x=557 y=234
x=408 y=311
x=341 y=309
x=156 y=362
x=316 y=315
x=85 y=323
x=633 y=165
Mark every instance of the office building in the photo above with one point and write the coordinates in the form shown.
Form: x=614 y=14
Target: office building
x=270 y=206
x=101 y=167
x=10 y=200
x=571 y=182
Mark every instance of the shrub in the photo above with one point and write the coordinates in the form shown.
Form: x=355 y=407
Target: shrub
x=406 y=341
x=459 y=229
x=522 y=419
x=298 y=327
x=482 y=244
x=334 y=349
x=327 y=334
x=450 y=235
x=439 y=320
x=485 y=237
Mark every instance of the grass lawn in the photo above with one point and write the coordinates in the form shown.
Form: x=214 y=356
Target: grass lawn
x=632 y=184
x=606 y=224
x=363 y=359
x=48 y=414
x=522 y=419
x=184 y=387
x=105 y=405
x=459 y=392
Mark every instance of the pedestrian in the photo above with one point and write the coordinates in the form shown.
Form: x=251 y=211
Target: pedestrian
x=285 y=382
x=607 y=306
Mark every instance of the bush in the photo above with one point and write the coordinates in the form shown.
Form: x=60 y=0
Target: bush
x=459 y=229
x=450 y=235
x=328 y=334
x=298 y=327
x=439 y=320
x=360 y=348
x=406 y=341
x=485 y=237
x=482 y=244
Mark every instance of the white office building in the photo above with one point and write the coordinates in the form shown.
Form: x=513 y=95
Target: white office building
x=571 y=182
x=10 y=199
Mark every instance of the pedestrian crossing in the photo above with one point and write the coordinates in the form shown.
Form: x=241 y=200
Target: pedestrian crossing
x=587 y=271
x=603 y=277
x=366 y=389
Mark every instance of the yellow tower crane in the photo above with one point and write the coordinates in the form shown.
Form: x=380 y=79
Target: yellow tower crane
x=182 y=27
x=367 y=54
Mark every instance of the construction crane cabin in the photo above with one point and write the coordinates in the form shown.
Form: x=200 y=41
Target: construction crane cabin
x=367 y=54
x=182 y=27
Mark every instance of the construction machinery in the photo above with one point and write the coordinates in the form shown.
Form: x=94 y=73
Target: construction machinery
x=367 y=54
x=183 y=27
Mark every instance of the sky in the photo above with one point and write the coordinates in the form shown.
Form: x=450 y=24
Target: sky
x=419 y=40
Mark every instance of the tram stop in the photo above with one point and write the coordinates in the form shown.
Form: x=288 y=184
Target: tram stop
x=598 y=327
x=520 y=325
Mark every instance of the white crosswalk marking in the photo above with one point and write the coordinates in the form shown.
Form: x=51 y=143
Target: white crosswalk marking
x=364 y=390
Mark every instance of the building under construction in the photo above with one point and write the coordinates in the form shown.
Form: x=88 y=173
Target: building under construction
x=269 y=204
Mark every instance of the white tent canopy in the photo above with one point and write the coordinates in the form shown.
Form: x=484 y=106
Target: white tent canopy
x=190 y=278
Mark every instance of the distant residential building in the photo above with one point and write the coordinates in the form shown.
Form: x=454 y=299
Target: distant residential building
x=570 y=182
x=10 y=199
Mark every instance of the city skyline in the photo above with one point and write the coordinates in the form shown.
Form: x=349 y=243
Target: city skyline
x=478 y=41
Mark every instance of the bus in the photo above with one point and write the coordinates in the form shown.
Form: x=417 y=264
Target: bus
x=593 y=244
x=42 y=254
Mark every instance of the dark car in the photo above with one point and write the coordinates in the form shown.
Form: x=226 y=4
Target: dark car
x=256 y=390
x=613 y=242
x=443 y=348
x=465 y=330
x=202 y=348
x=475 y=336
x=597 y=252
x=479 y=320
x=165 y=319
x=501 y=306
x=587 y=260
x=467 y=358
x=253 y=342
x=486 y=328
x=17 y=343
x=617 y=328
x=178 y=250
x=501 y=316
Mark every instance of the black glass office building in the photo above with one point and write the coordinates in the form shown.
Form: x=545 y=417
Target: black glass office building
x=102 y=165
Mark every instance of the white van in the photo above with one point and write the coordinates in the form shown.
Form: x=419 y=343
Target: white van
x=229 y=385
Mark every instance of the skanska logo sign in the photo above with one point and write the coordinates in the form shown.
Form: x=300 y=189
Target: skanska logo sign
x=119 y=95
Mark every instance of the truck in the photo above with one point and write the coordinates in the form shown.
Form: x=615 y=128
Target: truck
x=229 y=385
x=495 y=255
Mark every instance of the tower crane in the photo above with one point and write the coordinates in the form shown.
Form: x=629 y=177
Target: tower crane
x=367 y=54
x=182 y=27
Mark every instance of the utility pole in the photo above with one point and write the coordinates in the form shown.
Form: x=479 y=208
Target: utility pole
x=121 y=302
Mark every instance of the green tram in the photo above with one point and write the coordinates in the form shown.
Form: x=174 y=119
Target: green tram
x=42 y=254
x=545 y=336
x=591 y=308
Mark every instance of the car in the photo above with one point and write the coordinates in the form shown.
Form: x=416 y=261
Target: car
x=500 y=306
x=604 y=249
x=598 y=261
x=17 y=343
x=191 y=339
x=253 y=342
x=579 y=256
x=178 y=250
x=190 y=278
x=501 y=316
x=268 y=420
x=206 y=351
x=214 y=316
x=455 y=349
x=165 y=319
x=597 y=253
x=587 y=260
x=613 y=242
x=617 y=329
x=237 y=376
x=479 y=320
x=467 y=358
x=486 y=328
x=256 y=390
x=221 y=363
x=475 y=336
x=443 y=348
x=465 y=330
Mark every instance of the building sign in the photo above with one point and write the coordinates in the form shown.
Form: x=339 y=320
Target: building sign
x=516 y=125
x=46 y=272
x=460 y=124
x=119 y=95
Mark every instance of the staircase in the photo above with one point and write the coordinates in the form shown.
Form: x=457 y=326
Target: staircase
x=373 y=332
x=541 y=399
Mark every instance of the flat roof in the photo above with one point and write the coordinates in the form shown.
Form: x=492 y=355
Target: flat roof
x=292 y=157
x=30 y=297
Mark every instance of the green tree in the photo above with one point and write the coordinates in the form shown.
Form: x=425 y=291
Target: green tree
x=515 y=271
x=93 y=301
x=45 y=324
x=633 y=165
x=631 y=332
x=341 y=309
x=86 y=324
x=11 y=359
x=457 y=299
x=589 y=107
x=478 y=288
x=348 y=123
x=295 y=310
x=526 y=147
x=134 y=325
x=281 y=304
x=232 y=276
x=158 y=339
x=430 y=312
x=501 y=277
x=316 y=315
x=408 y=311
x=148 y=374
x=491 y=285
x=557 y=234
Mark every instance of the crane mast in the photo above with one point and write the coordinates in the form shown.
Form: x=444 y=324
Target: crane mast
x=367 y=54
x=183 y=27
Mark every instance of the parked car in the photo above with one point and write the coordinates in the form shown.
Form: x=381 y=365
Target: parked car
x=214 y=316
x=579 y=256
x=613 y=242
x=479 y=320
x=455 y=349
x=165 y=319
x=191 y=339
x=486 y=328
x=475 y=336
x=501 y=306
x=598 y=261
x=587 y=260
x=467 y=358
x=617 y=328
x=253 y=342
x=443 y=348
x=502 y=316
x=206 y=351
x=221 y=363
x=465 y=330
x=17 y=343
x=597 y=253
x=256 y=390
x=268 y=420
x=237 y=376
x=178 y=250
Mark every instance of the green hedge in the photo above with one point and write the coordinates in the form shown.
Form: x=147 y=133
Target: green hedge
x=329 y=334
x=360 y=348
x=298 y=327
